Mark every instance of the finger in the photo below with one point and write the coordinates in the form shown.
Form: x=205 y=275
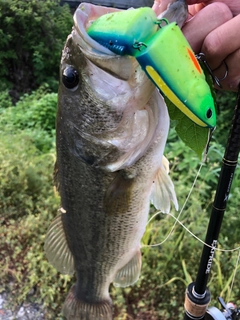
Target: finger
x=234 y=5
x=156 y=6
x=160 y=5
x=221 y=42
x=196 y=29
x=195 y=8
x=232 y=80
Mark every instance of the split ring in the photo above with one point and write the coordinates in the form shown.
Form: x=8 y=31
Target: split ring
x=226 y=72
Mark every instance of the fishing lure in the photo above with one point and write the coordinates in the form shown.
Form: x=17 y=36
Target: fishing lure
x=164 y=54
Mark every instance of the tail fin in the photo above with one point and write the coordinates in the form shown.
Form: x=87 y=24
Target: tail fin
x=75 y=309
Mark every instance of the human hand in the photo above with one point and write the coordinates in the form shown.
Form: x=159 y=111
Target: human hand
x=214 y=31
x=197 y=5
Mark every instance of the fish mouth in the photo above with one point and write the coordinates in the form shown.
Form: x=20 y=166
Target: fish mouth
x=121 y=67
x=85 y=14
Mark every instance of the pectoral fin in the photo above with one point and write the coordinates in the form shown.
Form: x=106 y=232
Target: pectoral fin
x=56 y=247
x=130 y=273
x=118 y=194
x=163 y=189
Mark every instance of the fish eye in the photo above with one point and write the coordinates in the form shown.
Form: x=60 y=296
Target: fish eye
x=209 y=113
x=70 y=77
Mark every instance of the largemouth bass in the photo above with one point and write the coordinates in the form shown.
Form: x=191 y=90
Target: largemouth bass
x=112 y=126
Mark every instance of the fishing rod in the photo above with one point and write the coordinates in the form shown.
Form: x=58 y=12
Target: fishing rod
x=198 y=295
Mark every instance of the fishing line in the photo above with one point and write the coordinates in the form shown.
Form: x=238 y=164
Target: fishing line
x=179 y=222
x=177 y=219
x=192 y=234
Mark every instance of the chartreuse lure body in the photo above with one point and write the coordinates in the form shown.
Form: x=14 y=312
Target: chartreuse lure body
x=165 y=56
x=119 y=30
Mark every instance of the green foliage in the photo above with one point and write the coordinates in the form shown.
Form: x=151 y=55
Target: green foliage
x=32 y=36
x=28 y=202
x=5 y=100
x=23 y=180
x=35 y=110
x=33 y=118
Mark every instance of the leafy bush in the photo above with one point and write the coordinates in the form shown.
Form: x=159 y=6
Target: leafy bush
x=5 y=100
x=33 y=118
x=35 y=110
x=32 y=36
x=28 y=202
x=23 y=180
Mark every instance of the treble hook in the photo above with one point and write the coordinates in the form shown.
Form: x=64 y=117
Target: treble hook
x=201 y=56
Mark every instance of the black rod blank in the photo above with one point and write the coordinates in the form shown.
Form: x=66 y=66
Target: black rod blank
x=199 y=291
x=229 y=164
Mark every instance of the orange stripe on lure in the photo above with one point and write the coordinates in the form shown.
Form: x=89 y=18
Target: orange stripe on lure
x=194 y=60
x=165 y=56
